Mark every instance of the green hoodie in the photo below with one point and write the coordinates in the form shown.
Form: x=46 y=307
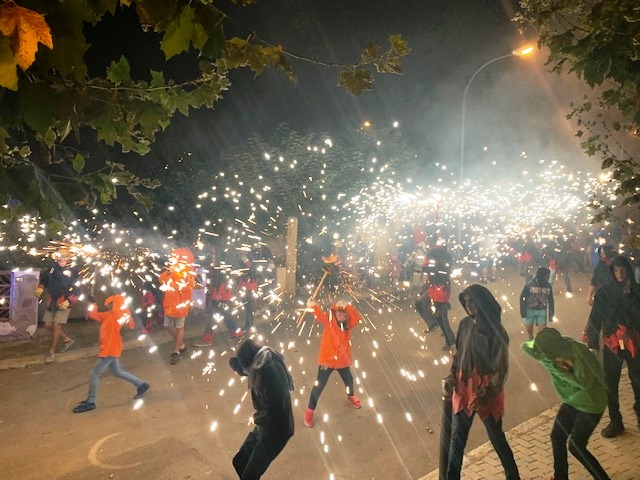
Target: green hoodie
x=581 y=383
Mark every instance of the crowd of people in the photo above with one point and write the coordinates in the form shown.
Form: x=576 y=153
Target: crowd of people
x=480 y=347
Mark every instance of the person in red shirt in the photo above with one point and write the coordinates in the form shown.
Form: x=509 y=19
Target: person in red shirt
x=110 y=349
x=335 y=351
x=177 y=283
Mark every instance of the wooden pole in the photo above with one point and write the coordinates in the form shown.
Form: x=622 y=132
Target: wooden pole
x=315 y=293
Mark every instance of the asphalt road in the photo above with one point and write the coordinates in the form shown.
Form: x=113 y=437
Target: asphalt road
x=196 y=413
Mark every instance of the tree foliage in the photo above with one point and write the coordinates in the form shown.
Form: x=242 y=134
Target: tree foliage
x=600 y=43
x=52 y=105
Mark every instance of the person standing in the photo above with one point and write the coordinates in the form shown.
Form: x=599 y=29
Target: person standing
x=270 y=384
x=476 y=382
x=61 y=282
x=177 y=283
x=219 y=308
x=248 y=291
x=111 y=322
x=536 y=302
x=578 y=379
x=335 y=352
x=616 y=316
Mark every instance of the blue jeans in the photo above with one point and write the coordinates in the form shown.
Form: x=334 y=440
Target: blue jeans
x=116 y=370
x=460 y=426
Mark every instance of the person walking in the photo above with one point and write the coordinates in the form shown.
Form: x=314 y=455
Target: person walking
x=476 y=382
x=111 y=321
x=578 y=379
x=270 y=384
x=536 y=302
x=616 y=316
x=177 y=283
x=61 y=283
x=335 y=352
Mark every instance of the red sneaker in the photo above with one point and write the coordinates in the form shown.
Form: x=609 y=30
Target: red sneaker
x=353 y=400
x=308 y=417
x=207 y=340
x=237 y=334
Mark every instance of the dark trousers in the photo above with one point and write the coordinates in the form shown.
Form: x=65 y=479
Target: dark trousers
x=259 y=449
x=217 y=310
x=321 y=382
x=248 y=310
x=424 y=310
x=460 y=426
x=612 y=364
x=575 y=426
x=443 y=320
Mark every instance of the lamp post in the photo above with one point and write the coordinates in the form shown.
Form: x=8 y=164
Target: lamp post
x=515 y=53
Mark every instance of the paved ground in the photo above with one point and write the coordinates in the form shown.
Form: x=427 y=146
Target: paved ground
x=532 y=449
x=195 y=415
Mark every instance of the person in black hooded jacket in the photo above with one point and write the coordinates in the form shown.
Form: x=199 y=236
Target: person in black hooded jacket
x=476 y=382
x=616 y=314
x=270 y=384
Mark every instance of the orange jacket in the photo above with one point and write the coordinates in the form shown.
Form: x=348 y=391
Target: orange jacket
x=112 y=321
x=177 y=287
x=335 y=348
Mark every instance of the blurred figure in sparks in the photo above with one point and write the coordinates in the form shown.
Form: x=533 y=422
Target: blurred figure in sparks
x=177 y=283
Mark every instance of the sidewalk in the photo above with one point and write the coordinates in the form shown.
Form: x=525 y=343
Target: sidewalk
x=532 y=448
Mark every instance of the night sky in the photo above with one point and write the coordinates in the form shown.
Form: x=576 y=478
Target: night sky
x=513 y=105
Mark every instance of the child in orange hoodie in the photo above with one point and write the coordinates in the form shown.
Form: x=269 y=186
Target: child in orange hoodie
x=110 y=349
x=335 y=351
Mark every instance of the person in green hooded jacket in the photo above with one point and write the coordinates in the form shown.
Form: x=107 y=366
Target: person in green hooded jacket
x=578 y=379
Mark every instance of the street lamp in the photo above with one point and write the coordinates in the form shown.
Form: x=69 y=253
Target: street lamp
x=515 y=53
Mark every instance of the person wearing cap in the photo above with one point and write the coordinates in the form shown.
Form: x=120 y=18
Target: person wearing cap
x=476 y=382
x=602 y=271
x=536 y=302
x=335 y=352
x=579 y=381
x=270 y=384
x=61 y=282
x=111 y=321
x=615 y=317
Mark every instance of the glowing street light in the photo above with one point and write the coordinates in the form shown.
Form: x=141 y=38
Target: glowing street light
x=516 y=53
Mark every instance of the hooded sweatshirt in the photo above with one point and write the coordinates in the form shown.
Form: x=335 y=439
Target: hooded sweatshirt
x=335 y=348
x=538 y=295
x=112 y=321
x=270 y=384
x=481 y=363
x=177 y=283
x=616 y=312
x=578 y=377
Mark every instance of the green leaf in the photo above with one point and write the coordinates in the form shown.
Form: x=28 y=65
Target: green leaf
x=181 y=32
x=3 y=140
x=399 y=45
x=78 y=163
x=214 y=44
x=8 y=69
x=355 y=81
x=119 y=73
x=39 y=106
x=157 y=79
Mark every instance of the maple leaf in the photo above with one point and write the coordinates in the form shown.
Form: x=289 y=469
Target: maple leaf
x=26 y=28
